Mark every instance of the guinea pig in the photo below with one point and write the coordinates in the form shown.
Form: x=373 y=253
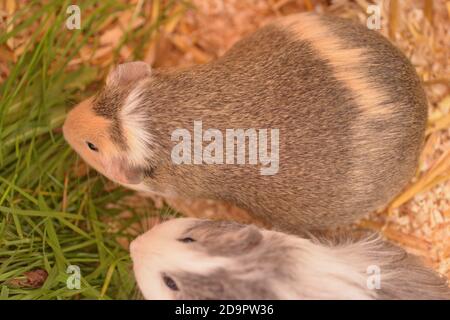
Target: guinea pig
x=190 y=258
x=345 y=110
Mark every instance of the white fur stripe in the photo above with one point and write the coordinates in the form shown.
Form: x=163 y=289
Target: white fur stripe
x=134 y=121
x=347 y=64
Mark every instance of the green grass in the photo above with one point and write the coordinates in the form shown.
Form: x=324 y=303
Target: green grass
x=50 y=216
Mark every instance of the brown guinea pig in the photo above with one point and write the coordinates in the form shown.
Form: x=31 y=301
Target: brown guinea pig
x=204 y=259
x=345 y=110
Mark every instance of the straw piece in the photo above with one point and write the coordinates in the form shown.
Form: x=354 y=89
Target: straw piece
x=404 y=239
x=428 y=10
x=393 y=18
x=425 y=182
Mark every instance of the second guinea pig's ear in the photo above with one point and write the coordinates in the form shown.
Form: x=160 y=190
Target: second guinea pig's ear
x=239 y=241
x=249 y=237
x=121 y=171
x=128 y=72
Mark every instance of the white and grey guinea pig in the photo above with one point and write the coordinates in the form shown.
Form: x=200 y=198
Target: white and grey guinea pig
x=203 y=259
x=348 y=106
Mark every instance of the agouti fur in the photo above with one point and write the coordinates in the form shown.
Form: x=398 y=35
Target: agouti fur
x=349 y=107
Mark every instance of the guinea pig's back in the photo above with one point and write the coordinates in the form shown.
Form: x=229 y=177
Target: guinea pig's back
x=388 y=134
x=351 y=113
x=392 y=111
x=349 y=108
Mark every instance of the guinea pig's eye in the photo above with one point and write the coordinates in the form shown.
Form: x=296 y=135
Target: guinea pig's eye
x=186 y=240
x=168 y=281
x=92 y=146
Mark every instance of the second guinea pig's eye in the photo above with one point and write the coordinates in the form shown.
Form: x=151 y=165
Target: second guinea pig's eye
x=186 y=240
x=170 y=283
x=92 y=146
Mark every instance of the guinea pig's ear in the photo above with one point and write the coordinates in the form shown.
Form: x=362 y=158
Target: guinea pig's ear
x=251 y=236
x=128 y=72
x=123 y=172
x=239 y=241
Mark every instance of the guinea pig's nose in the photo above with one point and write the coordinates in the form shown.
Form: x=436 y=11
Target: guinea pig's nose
x=65 y=129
